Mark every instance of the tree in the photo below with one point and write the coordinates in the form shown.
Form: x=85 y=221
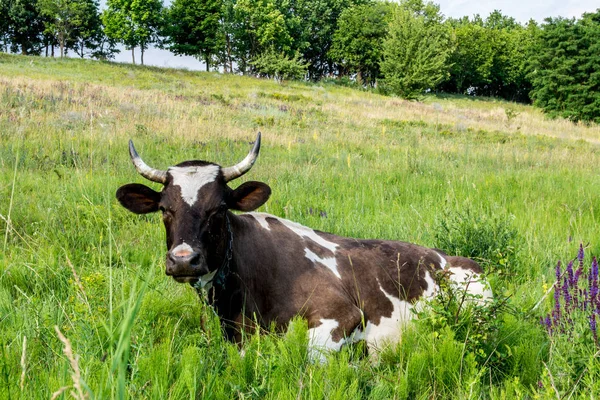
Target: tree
x=358 y=41
x=565 y=68
x=472 y=58
x=259 y=27
x=62 y=18
x=4 y=25
x=25 y=27
x=507 y=72
x=415 y=54
x=312 y=24
x=135 y=23
x=192 y=27
x=89 y=33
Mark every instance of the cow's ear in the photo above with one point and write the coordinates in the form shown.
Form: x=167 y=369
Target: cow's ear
x=138 y=198
x=249 y=196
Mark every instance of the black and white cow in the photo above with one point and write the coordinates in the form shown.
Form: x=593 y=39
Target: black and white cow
x=259 y=267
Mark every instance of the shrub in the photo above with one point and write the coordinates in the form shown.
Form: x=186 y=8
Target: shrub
x=279 y=66
x=488 y=240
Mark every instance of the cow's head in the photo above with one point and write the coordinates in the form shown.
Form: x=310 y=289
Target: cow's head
x=194 y=201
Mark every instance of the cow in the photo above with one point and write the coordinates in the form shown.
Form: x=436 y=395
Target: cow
x=261 y=269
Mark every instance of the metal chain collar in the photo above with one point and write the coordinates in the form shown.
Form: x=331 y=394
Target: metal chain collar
x=223 y=271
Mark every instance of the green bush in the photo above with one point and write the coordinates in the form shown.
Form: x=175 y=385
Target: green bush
x=489 y=240
x=279 y=66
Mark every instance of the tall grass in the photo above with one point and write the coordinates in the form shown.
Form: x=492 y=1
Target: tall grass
x=339 y=160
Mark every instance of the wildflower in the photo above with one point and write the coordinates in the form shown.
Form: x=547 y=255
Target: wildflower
x=566 y=294
x=593 y=327
x=593 y=281
x=570 y=274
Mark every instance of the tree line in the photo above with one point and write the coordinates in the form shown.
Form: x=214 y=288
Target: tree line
x=406 y=48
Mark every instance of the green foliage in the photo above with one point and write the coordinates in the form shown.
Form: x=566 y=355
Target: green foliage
x=491 y=57
x=66 y=20
x=23 y=26
x=279 y=66
x=339 y=160
x=415 y=54
x=472 y=58
x=89 y=35
x=258 y=27
x=135 y=23
x=313 y=24
x=472 y=322
x=490 y=240
x=358 y=41
x=191 y=27
x=565 y=70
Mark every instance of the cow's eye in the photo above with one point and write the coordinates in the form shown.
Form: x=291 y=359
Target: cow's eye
x=161 y=208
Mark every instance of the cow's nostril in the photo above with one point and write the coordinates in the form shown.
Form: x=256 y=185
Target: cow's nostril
x=195 y=259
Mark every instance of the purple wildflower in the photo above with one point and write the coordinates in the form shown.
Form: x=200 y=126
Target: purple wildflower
x=566 y=294
x=593 y=281
x=593 y=327
x=580 y=302
x=570 y=274
x=578 y=274
x=548 y=324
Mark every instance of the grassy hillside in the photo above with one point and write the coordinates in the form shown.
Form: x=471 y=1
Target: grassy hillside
x=489 y=179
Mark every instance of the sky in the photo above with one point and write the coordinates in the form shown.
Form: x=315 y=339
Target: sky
x=521 y=10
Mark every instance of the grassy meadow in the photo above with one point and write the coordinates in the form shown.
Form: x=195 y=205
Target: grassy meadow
x=86 y=310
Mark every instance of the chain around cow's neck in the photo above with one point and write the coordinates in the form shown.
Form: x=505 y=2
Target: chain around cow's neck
x=223 y=270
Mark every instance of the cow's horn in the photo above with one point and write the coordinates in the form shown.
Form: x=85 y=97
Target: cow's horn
x=155 y=175
x=231 y=173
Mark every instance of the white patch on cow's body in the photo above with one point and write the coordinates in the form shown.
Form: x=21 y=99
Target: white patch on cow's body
x=442 y=261
x=472 y=282
x=389 y=329
x=304 y=232
x=328 y=262
x=261 y=218
x=320 y=340
x=432 y=287
x=295 y=227
x=191 y=179
x=182 y=248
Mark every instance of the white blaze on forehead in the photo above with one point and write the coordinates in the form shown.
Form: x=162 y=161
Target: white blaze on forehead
x=328 y=262
x=320 y=339
x=191 y=179
x=182 y=248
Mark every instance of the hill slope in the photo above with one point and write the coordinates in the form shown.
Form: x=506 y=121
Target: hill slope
x=492 y=179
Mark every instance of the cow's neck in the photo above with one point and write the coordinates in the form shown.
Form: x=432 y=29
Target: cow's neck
x=240 y=277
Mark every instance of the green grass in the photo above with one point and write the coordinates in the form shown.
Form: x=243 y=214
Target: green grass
x=340 y=160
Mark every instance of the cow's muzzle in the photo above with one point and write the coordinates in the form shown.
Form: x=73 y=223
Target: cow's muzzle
x=187 y=267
